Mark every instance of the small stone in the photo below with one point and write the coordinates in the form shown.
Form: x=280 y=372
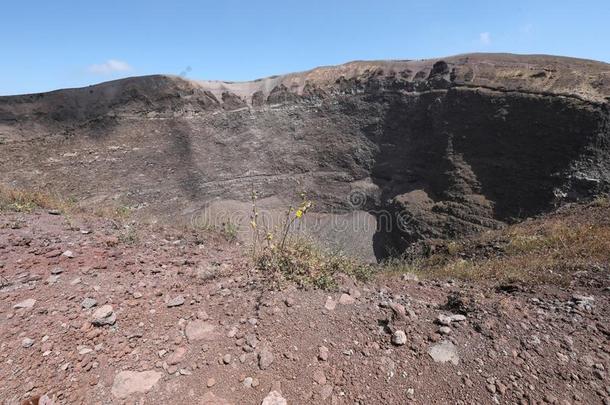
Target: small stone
x=443 y=320
x=274 y=398
x=56 y=270
x=53 y=279
x=398 y=309
x=444 y=352
x=132 y=382
x=550 y=398
x=346 y=299
x=88 y=303
x=289 y=301
x=410 y=394
x=232 y=332
x=25 y=304
x=319 y=377
x=265 y=359
x=84 y=350
x=199 y=330
x=252 y=340
x=326 y=391
x=247 y=382
x=457 y=318
x=68 y=253
x=444 y=330
x=330 y=304
x=323 y=353
x=177 y=356
x=226 y=359
x=175 y=302
x=399 y=338
x=104 y=316
x=211 y=382
x=27 y=342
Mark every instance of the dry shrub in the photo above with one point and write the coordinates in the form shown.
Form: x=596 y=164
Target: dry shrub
x=303 y=262
x=286 y=254
x=549 y=249
x=12 y=199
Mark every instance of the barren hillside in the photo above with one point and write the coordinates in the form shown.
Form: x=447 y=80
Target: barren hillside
x=381 y=232
x=448 y=146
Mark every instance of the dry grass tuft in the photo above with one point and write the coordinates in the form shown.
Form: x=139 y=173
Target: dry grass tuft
x=27 y=201
x=286 y=254
x=303 y=262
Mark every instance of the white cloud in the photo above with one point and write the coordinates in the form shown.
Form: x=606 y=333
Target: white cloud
x=109 y=67
x=485 y=38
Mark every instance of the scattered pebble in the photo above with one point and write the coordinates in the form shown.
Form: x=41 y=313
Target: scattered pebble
x=175 y=302
x=103 y=316
x=399 y=338
x=27 y=342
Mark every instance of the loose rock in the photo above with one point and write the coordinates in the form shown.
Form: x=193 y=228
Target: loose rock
x=199 y=330
x=274 y=398
x=27 y=342
x=104 y=316
x=175 y=302
x=346 y=299
x=88 y=303
x=177 y=356
x=25 y=304
x=323 y=353
x=265 y=358
x=399 y=338
x=132 y=382
x=444 y=352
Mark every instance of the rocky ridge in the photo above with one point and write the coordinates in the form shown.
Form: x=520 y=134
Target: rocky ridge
x=396 y=151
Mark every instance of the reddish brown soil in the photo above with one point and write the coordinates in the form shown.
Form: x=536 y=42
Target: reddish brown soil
x=524 y=346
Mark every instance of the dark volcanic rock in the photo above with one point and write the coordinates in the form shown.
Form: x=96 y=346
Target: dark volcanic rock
x=391 y=152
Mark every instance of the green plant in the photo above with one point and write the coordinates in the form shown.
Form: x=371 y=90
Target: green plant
x=286 y=254
x=602 y=201
x=12 y=199
x=123 y=211
x=229 y=230
x=129 y=237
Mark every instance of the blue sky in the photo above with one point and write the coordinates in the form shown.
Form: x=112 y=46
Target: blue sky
x=48 y=45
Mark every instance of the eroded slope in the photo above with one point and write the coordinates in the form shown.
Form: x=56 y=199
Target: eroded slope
x=390 y=151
